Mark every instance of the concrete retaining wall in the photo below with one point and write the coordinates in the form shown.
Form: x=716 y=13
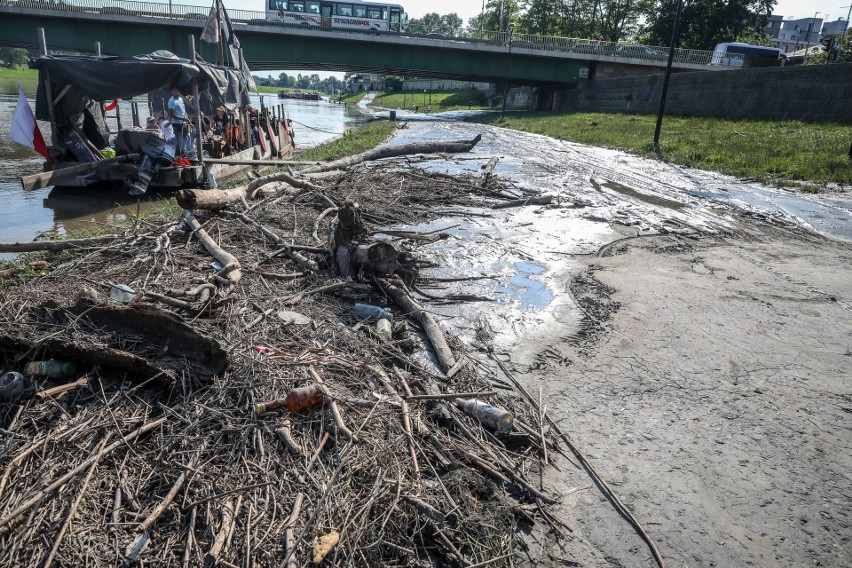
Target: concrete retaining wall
x=813 y=93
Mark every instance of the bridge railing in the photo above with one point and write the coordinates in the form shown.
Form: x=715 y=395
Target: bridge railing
x=586 y=47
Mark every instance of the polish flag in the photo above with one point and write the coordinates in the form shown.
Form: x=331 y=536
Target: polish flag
x=24 y=128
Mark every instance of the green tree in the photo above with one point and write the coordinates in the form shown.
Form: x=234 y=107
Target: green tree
x=619 y=19
x=474 y=27
x=435 y=23
x=540 y=17
x=705 y=23
x=393 y=83
x=12 y=57
x=843 y=54
x=500 y=13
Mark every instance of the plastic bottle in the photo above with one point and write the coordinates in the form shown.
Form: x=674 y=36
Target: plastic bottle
x=367 y=311
x=491 y=416
x=51 y=368
x=384 y=329
x=121 y=293
x=298 y=399
x=14 y=386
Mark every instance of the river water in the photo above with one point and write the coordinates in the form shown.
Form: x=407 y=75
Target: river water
x=27 y=215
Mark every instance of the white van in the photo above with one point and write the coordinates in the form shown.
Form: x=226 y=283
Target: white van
x=745 y=55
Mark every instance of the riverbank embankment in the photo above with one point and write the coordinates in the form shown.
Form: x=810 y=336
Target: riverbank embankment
x=812 y=157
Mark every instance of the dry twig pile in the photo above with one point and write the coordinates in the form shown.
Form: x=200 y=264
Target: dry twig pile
x=158 y=457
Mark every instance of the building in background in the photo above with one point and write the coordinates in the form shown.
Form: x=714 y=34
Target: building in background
x=773 y=26
x=834 y=28
x=365 y=82
x=796 y=34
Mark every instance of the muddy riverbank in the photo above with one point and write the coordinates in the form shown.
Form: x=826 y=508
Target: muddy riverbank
x=689 y=331
x=712 y=392
x=701 y=359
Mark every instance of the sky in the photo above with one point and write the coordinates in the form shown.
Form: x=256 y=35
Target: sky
x=469 y=8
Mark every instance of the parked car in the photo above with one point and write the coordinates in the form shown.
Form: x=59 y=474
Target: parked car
x=640 y=52
x=524 y=44
x=593 y=48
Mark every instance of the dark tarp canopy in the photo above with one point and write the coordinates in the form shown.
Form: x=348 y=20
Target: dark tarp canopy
x=107 y=78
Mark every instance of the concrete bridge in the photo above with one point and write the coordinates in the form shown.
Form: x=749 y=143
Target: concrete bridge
x=129 y=28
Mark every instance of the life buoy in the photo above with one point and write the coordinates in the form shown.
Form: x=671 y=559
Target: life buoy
x=111 y=105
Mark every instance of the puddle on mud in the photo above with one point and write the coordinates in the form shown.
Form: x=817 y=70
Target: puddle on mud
x=523 y=287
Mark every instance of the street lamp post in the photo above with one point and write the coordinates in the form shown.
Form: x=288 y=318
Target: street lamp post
x=843 y=35
x=808 y=38
x=506 y=82
x=665 y=90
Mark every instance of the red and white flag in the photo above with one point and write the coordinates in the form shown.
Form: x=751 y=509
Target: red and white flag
x=24 y=128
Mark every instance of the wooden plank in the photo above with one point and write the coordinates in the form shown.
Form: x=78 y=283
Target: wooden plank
x=54 y=177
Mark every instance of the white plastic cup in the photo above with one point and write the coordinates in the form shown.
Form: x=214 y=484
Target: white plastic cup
x=383 y=329
x=121 y=293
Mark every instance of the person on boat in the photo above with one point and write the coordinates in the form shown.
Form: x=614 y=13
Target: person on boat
x=177 y=114
x=151 y=124
x=221 y=121
x=166 y=130
x=189 y=142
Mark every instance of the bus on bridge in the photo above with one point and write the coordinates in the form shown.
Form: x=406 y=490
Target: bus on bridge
x=351 y=15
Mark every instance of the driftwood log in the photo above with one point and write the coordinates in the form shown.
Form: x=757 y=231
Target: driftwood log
x=540 y=200
x=391 y=151
x=380 y=256
x=55 y=245
x=488 y=170
x=443 y=353
x=230 y=265
x=299 y=259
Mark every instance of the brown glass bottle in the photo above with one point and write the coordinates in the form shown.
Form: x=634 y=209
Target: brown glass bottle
x=298 y=399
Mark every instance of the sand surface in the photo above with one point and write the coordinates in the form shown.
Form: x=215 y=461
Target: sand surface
x=710 y=387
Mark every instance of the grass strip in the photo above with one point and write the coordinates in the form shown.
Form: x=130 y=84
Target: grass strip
x=9 y=79
x=440 y=101
x=351 y=97
x=365 y=138
x=779 y=152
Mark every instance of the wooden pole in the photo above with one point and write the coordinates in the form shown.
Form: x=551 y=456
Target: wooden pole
x=47 y=87
x=98 y=49
x=199 y=147
x=118 y=113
